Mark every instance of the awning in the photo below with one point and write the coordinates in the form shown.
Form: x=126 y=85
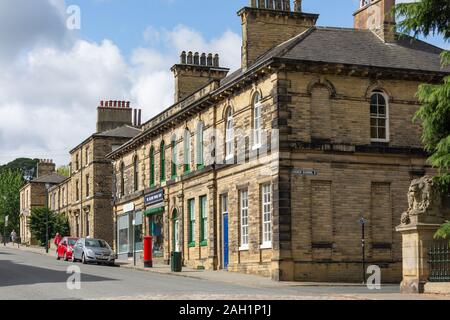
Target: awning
x=153 y=211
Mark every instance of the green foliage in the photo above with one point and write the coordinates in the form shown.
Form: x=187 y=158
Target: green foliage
x=64 y=171
x=10 y=184
x=427 y=17
x=57 y=223
x=431 y=17
x=443 y=232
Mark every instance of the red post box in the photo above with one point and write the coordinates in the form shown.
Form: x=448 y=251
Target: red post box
x=148 y=247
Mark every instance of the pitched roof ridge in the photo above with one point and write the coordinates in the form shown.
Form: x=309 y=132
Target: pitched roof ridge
x=340 y=28
x=296 y=40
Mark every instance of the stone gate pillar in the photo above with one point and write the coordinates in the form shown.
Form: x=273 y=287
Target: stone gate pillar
x=416 y=239
x=426 y=213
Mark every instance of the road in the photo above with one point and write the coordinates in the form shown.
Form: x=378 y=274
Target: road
x=30 y=276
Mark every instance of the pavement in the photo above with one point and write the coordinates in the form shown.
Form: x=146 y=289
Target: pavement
x=29 y=273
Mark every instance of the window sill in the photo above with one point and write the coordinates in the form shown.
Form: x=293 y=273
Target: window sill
x=204 y=243
x=243 y=248
x=267 y=245
x=257 y=146
x=191 y=245
x=380 y=140
x=229 y=157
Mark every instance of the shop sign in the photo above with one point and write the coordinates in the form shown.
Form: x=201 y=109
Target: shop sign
x=154 y=197
x=128 y=207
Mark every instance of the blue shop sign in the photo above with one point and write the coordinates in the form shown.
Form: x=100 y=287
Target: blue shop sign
x=154 y=197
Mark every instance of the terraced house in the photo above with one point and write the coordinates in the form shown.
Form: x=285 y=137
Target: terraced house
x=269 y=169
x=86 y=197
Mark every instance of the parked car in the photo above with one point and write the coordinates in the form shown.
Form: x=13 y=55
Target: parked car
x=93 y=251
x=65 y=248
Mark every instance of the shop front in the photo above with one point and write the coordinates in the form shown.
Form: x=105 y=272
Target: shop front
x=154 y=212
x=129 y=232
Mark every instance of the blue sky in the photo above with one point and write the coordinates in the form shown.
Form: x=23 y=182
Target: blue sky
x=53 y=78
x=123 y=22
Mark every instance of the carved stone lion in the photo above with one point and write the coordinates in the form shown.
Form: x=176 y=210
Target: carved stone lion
x=424 y=200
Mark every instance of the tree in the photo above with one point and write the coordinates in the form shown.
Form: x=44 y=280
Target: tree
x=431 y=17
x=10 y=184
x=57 y=223
x=64 y=171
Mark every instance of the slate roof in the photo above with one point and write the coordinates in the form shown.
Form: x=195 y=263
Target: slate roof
x=353 y=47
x=122 y=132
x=53 y=178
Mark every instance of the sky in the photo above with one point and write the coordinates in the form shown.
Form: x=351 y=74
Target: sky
x=52 y=77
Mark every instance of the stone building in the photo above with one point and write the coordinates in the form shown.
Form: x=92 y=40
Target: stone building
x=269 y=169
x=34 y=195
x=86 y=197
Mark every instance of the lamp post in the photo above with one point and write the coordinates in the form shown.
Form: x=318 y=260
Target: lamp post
x=47 y=187
x=363 y=223
x=5 y=224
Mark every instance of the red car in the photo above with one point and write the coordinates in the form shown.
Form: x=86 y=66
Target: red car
x=65 y=248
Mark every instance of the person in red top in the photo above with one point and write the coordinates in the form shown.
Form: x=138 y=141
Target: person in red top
x=58 y=239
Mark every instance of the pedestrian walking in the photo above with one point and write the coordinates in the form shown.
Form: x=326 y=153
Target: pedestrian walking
x=13 y=236
x=57 y=240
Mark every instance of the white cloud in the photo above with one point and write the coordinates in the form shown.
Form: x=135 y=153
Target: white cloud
x=52 y=81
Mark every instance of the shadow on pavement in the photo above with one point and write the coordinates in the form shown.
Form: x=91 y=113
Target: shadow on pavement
x=13 y=274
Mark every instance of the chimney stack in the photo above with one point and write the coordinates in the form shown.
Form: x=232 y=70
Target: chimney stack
x=268 y=23
x=45 y=167
x=194 y=71
x=376 y=15
x=113 y=114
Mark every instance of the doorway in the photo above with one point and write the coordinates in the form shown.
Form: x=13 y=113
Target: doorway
x=225 y=235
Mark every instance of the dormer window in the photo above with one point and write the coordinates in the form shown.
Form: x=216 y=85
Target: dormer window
x=379 y=117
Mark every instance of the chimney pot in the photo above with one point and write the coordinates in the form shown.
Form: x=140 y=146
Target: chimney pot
x=203 y=59
x=196 y=59
x=209 y=60
x=110 y=103
x=183 y=57
x=189 y=57
x=128 y=104
x=216 y=60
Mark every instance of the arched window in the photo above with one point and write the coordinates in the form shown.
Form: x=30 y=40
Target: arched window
x=122 y=179
x=200 y=146
x=174 y=162
x=257 y=120
x=187 y=151
x=136 y=173
x=152 y=167
x=379 y=117
x=229 y=134
x=162 y=159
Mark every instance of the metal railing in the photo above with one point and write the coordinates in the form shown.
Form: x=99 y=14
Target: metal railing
x=439 y=261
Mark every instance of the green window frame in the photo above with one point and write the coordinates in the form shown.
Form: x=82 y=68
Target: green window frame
x=187 y=151
x=162 y=162
x=200 y=146
x=191 y=211
x=173 y=170
x=204 y=221
x=152 y=167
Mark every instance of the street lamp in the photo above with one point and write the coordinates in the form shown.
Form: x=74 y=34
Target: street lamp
x=363 y=223
x=47 y=187
x=5 y=224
